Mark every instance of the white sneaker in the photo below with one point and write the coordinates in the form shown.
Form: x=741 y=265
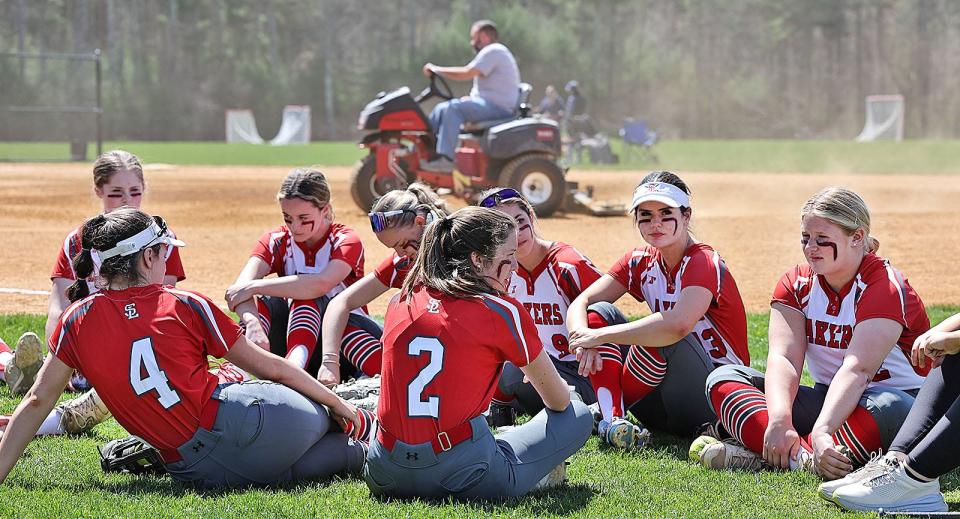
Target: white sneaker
x=554 y=478
x=21 y=370
x=876 y=466
x=623 y=434
x=81 y=414
x=727 y=454
x=892 y=491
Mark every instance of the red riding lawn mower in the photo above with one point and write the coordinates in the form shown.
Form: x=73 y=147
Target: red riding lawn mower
x=521 y=152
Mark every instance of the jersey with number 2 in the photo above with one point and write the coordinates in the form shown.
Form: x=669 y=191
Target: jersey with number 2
x=442 y=358
x=145 y=351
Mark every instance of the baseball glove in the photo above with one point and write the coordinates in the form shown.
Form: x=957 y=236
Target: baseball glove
x=131 y=455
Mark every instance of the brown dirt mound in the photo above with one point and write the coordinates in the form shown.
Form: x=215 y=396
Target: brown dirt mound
x=752 y=219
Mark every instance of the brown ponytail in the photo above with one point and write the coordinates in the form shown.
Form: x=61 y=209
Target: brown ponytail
x=443 y=261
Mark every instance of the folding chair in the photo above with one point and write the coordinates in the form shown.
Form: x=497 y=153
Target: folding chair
x=638 y=138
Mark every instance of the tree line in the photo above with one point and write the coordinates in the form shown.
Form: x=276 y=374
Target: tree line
x=692 y=68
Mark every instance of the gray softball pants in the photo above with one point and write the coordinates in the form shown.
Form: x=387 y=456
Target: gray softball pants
x=484 y=467
x=265 y=433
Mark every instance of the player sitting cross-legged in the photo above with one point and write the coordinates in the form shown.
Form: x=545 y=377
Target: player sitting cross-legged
x=144 y=348
x=446 y=337
x=697 y=323
x=852 y=318
x=314 y=259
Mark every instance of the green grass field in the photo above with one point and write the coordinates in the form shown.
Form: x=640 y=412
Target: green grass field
x=61 y=477
x=768 y=156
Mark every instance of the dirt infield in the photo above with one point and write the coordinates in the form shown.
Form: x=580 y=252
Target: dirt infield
x=752 y=219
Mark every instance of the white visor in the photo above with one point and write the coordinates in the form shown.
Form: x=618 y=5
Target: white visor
x=668 y=194
x=148 y=237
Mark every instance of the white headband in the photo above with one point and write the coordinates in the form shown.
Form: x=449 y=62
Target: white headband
x=150 y=236
x=662 y=192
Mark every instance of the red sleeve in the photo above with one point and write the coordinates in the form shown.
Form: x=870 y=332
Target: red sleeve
x=63 y=268
x=621 y=271
x=175 y=265
x=349 y=249
x=884 y=297
x=513 y=331
x=264 y=249
x=217 y=330
x=62 y=342
x=785 y=292
x=703 y=270
x=391 y=271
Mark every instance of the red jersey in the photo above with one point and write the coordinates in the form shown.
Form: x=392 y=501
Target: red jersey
x=722 y=331
x=877 y=291
x=442 y=358
x=547 y=291
x=145 y=351
x=393 y=270
x=71 y=247
x=287 y=257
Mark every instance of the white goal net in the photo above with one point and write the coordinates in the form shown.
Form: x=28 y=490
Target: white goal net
x=884 y=119
x=295 y=126
x=241 y=127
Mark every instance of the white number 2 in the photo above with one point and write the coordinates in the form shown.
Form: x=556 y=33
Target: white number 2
x=142 y=358
x=430 y=406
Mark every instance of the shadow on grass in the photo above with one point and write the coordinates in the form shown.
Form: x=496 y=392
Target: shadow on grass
x=568 y=500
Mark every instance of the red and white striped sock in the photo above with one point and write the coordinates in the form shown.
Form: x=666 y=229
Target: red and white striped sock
x=643 y=371
x=742 y=410
x=303 y=330
x=363 y=350
x=367 y=421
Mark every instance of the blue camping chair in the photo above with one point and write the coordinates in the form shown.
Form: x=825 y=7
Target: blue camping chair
x=638 y=138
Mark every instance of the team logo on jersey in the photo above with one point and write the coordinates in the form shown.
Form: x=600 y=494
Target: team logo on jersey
x=433 y=306
x=131 y=311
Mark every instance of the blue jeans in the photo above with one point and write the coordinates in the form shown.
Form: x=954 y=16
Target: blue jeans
x=446 y=118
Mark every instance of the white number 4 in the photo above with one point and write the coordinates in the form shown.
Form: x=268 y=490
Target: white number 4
x=142 y=359
x=430 y=406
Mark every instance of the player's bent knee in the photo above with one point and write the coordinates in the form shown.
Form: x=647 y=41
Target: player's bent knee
x=887 y=405
x=608 y=312
x=730 y=373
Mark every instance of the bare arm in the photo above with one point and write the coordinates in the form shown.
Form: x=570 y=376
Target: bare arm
x=788 y=347
x=267 y=366
x=464 y=73
x=31 y=412
x=335 y=321
x=301 y=286
x=604 y=289
x=871 y=343
x=545 y=379
x=58 y=302
x=656 y=330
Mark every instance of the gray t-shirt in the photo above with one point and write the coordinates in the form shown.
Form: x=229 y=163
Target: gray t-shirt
x=499 y=79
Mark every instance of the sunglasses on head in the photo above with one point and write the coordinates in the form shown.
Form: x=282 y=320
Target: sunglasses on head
x=382 y=220
x=500 y=196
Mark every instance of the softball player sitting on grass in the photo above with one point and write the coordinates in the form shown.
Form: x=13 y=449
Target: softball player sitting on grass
x=446 y=337
x=853 y=318
x=907 y=478
x=117 y=182
x=398 y=219
x=144 y=347
x=549 y=276
x=697 y=322
x=313 y=258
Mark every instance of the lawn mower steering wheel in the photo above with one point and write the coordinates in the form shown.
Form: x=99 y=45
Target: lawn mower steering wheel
x=441 y=90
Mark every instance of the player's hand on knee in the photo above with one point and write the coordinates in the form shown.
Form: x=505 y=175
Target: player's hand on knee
x=780 y=444
x=329 y=374
x=829 y=462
